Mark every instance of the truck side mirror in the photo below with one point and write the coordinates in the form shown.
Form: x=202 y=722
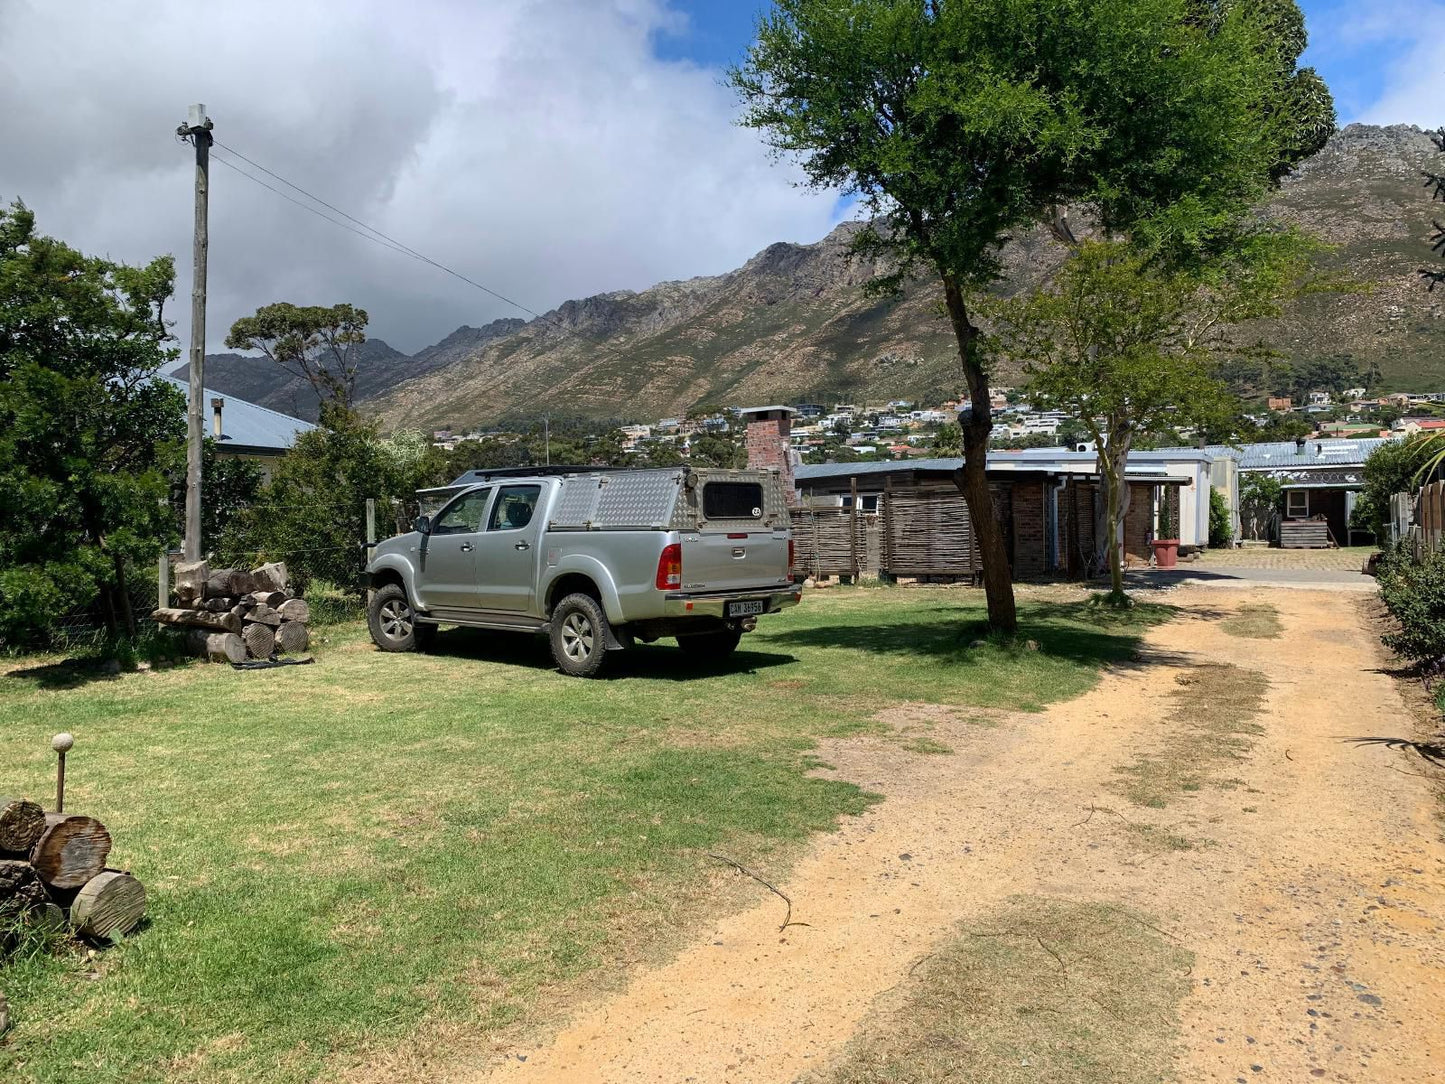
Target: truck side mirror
x=421 y=525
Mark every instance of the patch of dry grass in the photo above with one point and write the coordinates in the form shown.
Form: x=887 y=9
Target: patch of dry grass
x=1043 y=990
x=1211 y=726
x=1255 y=621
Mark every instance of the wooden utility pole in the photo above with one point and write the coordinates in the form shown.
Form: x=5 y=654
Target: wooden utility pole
x=197 y=130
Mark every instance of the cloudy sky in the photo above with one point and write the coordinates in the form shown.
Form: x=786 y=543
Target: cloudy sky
x=546 y=149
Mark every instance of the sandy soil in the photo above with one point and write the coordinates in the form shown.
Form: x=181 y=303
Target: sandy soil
x=1314 y=897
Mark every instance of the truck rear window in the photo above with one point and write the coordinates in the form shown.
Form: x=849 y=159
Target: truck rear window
x=732 y=500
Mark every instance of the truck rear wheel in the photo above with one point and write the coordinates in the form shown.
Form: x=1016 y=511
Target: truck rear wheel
x=718 y=644
x=393 y=622
x=579 y=636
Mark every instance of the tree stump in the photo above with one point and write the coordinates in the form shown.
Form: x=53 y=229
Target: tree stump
x=217 y=646
x=21 y=823
x=260 y=639
x=112 y=902
x=295 y=609
x=71 y=850
x=293 y=637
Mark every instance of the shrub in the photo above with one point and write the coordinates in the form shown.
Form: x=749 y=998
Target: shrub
x=1414 y=593
x=1221 y=523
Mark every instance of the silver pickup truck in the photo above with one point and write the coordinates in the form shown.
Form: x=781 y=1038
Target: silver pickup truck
x=595 y=559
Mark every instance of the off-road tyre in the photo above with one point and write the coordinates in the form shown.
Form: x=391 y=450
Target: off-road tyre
x=392 y=621
x=718 y=644
x=579 y=636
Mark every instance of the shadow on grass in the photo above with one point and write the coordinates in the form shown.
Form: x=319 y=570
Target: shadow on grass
x=1080 y=631
x=657 y=661
x=68 y=674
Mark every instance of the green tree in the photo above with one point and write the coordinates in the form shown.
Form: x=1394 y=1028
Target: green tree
x=87 y=433
x=957 y=121
x=315 y=342
x=1391 y=468
x=229 y=485
x=1260 y=498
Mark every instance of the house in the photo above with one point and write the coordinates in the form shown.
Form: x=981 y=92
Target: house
x=1319 y=399
x=1283 y=403
x=246 y=430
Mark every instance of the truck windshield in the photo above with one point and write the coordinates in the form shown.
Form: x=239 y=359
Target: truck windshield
x=732 y=500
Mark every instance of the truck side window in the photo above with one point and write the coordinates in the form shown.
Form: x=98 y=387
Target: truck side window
x=464 y=516
x=514 y=508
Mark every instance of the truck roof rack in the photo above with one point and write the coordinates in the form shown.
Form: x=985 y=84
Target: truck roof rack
x=486 y=474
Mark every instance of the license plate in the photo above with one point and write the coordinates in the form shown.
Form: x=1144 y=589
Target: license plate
x=744 y=609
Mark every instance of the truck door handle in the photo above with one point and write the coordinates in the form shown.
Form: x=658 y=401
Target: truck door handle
x=466 y=547
x=522 y=546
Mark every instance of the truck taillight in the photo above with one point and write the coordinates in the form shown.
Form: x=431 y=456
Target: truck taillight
x=792 y=552
x=669 y=568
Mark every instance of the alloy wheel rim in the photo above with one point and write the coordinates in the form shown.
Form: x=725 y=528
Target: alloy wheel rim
x=396 y=620
x=577 y=637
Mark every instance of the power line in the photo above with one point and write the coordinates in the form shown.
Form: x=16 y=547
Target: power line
x=393 y=244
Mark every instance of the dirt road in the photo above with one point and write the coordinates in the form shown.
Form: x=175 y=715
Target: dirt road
x=1312 y=889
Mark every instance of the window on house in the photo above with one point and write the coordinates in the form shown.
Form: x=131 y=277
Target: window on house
x=1297 y=503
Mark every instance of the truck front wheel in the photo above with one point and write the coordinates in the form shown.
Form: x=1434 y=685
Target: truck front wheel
x=579 y=636
x=393 y=622
x=718 y=644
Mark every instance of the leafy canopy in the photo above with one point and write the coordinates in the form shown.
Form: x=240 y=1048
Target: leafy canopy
x=87 y=431
x=315 y=342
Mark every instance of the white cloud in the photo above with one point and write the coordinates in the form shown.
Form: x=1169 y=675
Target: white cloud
x=1386 y=54
x=539 y=147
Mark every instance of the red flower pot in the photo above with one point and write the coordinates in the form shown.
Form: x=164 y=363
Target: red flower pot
x=1166 y=552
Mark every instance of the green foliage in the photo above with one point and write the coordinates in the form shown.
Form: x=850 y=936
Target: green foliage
x=1221 y=522
x=312 y=514
x=87 y=435
x=1391 y=468
x=1260 y=497
x=229 y=484
x=1414 y=593
x=315 y=342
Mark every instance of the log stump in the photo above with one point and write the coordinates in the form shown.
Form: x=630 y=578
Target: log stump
x=270 y=577
x=21 y=823
x=71 y=850
x=265 y=614
x=20 y=887
x=112 y=902
x=295 y=609
x=260 y=639
x=198 y=619
x=217 y=646
x=293 y=637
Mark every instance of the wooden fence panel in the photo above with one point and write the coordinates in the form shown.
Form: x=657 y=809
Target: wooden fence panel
x=928 y=533
x=827 y=541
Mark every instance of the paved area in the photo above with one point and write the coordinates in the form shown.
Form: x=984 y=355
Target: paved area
x=1259 y=557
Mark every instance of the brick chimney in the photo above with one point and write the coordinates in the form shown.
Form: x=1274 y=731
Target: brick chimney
x=770 y=444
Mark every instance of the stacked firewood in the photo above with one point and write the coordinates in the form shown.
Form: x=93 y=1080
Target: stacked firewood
x=53 y=873
x=231 y=615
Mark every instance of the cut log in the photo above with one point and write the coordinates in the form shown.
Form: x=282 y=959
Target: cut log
x=218 y=605
x=71 y=850
x=296 y=609
x=190 y=580
x=267 y=598
x=270 y=577
x=260 y=639
x=241 y=610
x=112 y=902
x=217 y=646
x=4 y=1015
x=197 y=619
x=230 y=583
x=292 y=637
x=265 y=614
x=21 y=822
x=20 y=887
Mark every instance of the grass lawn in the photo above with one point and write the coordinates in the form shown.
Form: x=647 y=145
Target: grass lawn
x=351 y=855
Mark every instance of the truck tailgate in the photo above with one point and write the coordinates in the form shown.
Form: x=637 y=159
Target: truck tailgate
x=734 y=560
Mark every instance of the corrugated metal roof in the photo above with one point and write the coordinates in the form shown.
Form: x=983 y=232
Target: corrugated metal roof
x=247 y=425
x=1286 y=455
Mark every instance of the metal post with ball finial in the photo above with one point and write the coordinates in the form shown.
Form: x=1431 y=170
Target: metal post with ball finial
x=61 y=743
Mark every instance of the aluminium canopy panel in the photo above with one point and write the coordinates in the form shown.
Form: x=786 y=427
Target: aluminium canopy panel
x=643 y=498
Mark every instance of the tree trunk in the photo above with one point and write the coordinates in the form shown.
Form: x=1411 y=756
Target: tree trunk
x=110 y=902
x=295 y=609
x=127 y=612
x=216 y=646
x=198 y=619
x=997 y=576
x=20 y=888
x=293 y=637
x=260 y=639
x=71 y=851
x=1113 y=464
x=21 y=822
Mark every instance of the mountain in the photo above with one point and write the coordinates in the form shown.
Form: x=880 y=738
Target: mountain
x=794 y=323
x=379 y=369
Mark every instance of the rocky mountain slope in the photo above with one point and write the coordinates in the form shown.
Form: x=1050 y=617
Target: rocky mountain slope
x=794 y=323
